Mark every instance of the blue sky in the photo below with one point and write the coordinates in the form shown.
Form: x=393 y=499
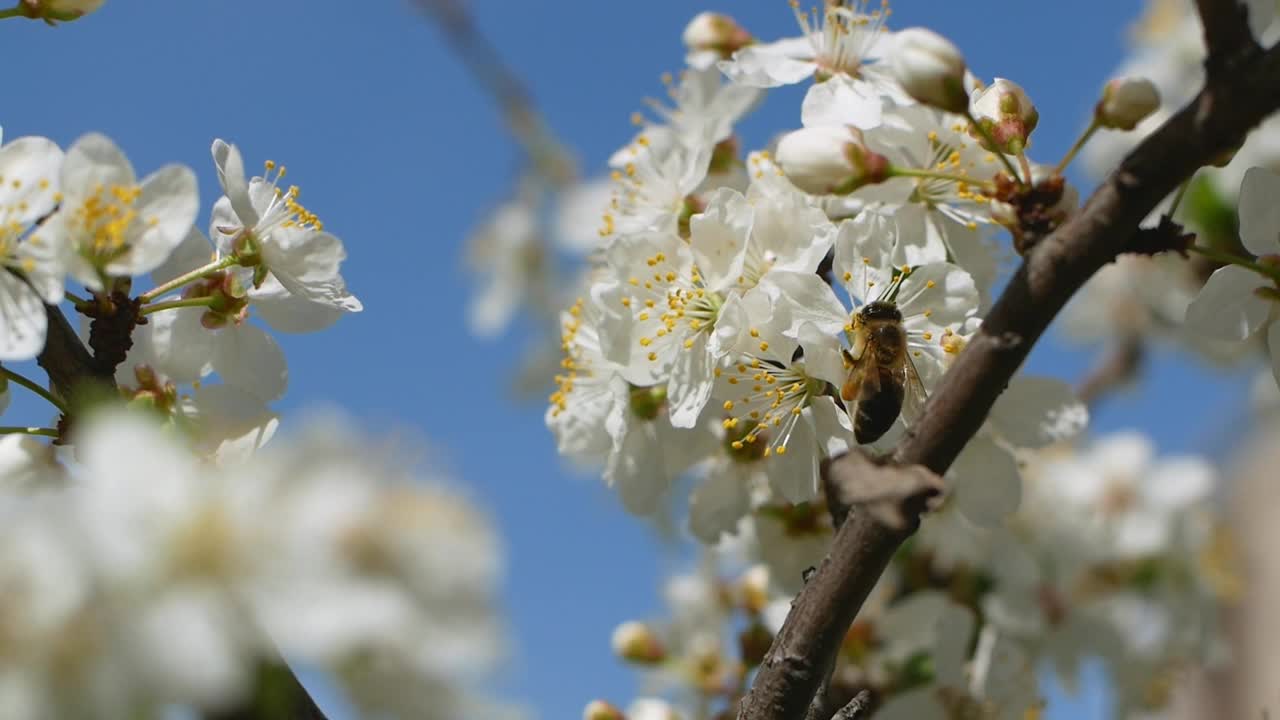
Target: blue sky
x=401 y=154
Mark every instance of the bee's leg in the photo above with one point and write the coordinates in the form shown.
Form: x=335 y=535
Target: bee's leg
x=859 y=346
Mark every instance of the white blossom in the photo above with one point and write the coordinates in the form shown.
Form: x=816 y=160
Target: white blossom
x=256 y=218
x=110 y=225
x=34 y=262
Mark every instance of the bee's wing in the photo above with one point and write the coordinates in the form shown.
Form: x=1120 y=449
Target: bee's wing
x=914 y=394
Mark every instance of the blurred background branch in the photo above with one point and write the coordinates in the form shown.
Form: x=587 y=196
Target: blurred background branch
x=548 y=156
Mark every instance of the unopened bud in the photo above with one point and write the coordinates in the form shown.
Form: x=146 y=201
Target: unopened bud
x=601 y=710
x=637 y=643
x=829 y=160
x=64 y=10
x=1126 y=102
x=753 y=589
x=715 y=32
x=1006 y=114
x=930 y=69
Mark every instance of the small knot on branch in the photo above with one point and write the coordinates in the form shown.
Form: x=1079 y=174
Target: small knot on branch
x=111 y=332
x=892 y=494
x=1167 y=236
x=1032 y=211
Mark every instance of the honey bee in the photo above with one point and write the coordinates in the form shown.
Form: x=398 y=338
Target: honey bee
x=882 y=381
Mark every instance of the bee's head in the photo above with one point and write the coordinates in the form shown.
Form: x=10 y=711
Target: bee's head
x=880 y=310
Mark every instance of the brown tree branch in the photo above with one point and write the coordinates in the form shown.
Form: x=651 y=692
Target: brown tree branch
x=1227 y=37
x=1216 y=120
x=856 y=707
x=64 y=358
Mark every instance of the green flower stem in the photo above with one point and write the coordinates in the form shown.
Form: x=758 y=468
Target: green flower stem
x=16 y=11
x=19 y=430
x=1025 y=164
x=194 y=275
x=1229 y=259
x=1177 y=199
x=1075 y=147
x=977 y=126
x=895 y=171
x=34 y=387
x=171 y=304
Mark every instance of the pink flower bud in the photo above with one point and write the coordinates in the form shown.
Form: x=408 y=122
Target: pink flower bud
x=715 y=32
x=1006 y=113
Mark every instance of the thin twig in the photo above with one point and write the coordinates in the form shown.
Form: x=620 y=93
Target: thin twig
x=1118 y=366
x=548 y=155
x=855 y=708
x=1217 y=119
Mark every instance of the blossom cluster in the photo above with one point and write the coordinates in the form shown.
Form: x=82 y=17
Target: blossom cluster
x=746 y=315
x=1114 y=556
x=746 y=318
x=137 y=576
x=155 y=556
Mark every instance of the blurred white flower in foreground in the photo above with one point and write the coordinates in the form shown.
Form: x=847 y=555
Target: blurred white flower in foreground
x=153 y=578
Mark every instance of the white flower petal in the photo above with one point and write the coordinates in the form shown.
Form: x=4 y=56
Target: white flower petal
x=194 y=250
x=1260 y=211
x=30 y=167
x=718 y=237
x=180 y=346
x=771 y=64
x=94 y=162
x=226 y=157
x=166 y=210
x=1177 y=483
x=247 y=357
x=793 y=475
x=1036 y=411
x=988 y=486
x=800 y=298
x=691 y=381
x=939 y=294
x=307 y=263
x=719 y=501
x=863 y=257
x=230 y=423
x=1227 y=308
x=289 y=313
x=637 y=469
x=841 y=101
x=22 y=319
